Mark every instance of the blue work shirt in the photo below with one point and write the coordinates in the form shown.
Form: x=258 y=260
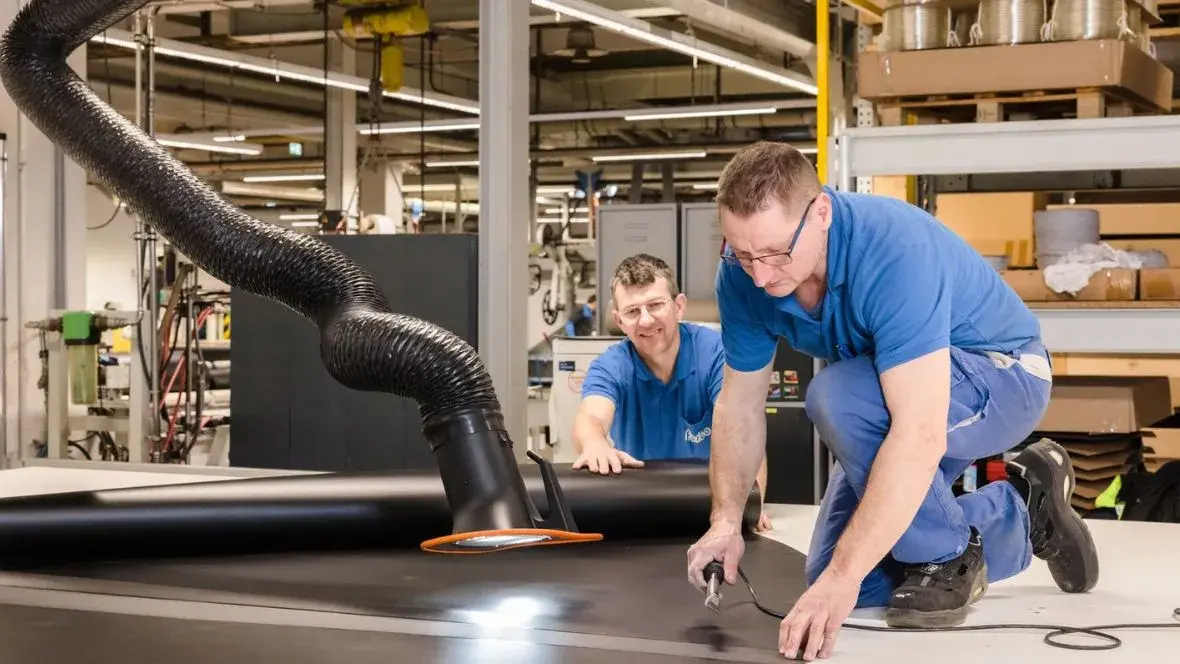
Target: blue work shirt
x=900 y=284
x=571 y=325
x=656 y=420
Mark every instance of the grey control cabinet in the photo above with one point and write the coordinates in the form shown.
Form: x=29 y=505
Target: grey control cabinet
x=700 y=250
x=627 y=229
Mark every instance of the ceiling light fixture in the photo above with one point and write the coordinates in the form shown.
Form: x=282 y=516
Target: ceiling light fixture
x=650 y=156
x=284 y=178
x=644 y=31
x=457 y=163
x=185 y=144
x=420 y=127
x=238 y=138
x=705 y=185
x=703 y=113
x=181 y=50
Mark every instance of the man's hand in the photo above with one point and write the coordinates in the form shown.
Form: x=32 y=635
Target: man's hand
x=763 y=523
x=810 y=628
x=605 y=460
x=723 y=542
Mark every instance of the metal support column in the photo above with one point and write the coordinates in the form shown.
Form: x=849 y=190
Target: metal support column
x=823 y=80
x=42 y=250
x=866 y=115
x=504 y=205
x=382 y=190
x=340 y=188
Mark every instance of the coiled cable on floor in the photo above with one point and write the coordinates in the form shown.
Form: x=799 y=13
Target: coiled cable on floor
x=1055 y=632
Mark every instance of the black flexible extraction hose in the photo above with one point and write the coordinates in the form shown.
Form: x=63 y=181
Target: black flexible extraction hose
x=363 y=344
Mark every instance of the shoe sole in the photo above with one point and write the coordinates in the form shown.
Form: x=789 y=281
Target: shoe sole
x=911 y=619
x=1068 y=525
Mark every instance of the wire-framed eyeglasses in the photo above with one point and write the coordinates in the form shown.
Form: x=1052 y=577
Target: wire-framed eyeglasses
x=655 y=309
x=776 y=259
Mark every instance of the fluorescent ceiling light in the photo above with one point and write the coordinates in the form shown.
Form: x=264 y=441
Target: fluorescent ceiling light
x=239 y=138
x=644 y=31
x=305 y=224
x=272 y=192
x=283 y=178
x=705 y=185
x=212 y=56
x=649 y=156
x=704 y=113
x=577 y=210
x=187 y=144
x=444 y=164
x=419 y=127
x=808 y=150
x=437 y=187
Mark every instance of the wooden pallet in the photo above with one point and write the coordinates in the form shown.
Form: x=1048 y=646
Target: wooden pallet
x=1003 y=106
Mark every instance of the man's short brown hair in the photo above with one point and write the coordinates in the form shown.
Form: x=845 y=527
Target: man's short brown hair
x=642 y=270
x=765 y=172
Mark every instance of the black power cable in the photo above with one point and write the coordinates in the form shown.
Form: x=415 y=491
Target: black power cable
x=1054 y=631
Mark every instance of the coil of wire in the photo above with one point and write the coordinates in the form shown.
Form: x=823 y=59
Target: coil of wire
x=1009 y=22
x=914 y=25
x=1073 y=20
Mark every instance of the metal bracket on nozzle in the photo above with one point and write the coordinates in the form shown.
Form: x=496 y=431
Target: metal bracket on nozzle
x=559 y=517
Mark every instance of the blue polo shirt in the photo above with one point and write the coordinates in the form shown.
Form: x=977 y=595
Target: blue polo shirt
x=900 y=285
x=656 y=420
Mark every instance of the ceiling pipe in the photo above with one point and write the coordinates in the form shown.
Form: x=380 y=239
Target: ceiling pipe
x=749 y=29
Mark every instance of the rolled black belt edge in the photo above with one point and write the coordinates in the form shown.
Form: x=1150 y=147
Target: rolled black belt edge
x=333 y=512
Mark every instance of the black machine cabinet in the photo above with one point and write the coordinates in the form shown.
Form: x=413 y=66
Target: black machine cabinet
x=289 y=413
x=790 y=439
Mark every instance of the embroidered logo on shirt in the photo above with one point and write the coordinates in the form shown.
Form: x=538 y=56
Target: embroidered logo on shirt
x=699 y=437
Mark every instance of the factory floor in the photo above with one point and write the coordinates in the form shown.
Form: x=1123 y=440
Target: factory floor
x=1140 y=583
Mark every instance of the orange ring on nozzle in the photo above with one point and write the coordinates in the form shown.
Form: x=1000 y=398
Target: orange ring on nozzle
x=491 y=541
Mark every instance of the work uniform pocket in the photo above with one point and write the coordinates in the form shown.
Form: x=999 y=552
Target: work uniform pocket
x=969 y=390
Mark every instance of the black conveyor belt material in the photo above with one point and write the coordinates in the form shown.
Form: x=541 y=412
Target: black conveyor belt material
x=339 y=512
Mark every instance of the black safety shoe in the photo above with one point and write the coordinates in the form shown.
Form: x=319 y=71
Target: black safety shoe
x=938 y=594
x=1043 y=475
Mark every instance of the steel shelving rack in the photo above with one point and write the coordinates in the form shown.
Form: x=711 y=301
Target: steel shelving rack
x=1035 y=146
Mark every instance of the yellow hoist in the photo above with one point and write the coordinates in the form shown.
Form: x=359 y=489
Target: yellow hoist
x=385 y=22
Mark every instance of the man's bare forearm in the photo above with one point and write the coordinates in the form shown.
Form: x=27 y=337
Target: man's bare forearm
x=898 y=482
x=589 y=433
x=738 y=447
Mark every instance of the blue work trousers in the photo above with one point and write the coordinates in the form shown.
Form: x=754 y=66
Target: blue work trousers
x=996 y=402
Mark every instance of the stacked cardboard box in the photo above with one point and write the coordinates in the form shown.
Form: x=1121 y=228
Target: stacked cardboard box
x=1105 y=285
x=1100 y=422
x=1161 y=443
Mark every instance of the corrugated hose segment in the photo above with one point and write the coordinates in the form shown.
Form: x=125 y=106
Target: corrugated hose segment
x=363 y=344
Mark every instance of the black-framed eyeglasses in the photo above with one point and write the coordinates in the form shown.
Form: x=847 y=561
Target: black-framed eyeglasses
x=777 y=259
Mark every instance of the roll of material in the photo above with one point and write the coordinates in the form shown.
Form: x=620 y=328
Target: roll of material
x=1010 y=22
x=332 y=512
x=1062 y=230
x=1073 y=20
x=914 y=25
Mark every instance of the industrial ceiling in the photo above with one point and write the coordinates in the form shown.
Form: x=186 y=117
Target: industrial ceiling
x=587 y=83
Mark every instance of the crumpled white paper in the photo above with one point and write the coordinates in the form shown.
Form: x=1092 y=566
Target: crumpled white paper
x=1072 y=271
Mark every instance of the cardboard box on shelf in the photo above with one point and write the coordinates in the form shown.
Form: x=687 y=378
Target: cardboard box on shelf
x=1112 y=284
x=1133 y=218
x=1094 y=364
x=995 y=224
x=1161 y=443
x=1106 y=404
x=1066 y=65
x=1159 y=283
